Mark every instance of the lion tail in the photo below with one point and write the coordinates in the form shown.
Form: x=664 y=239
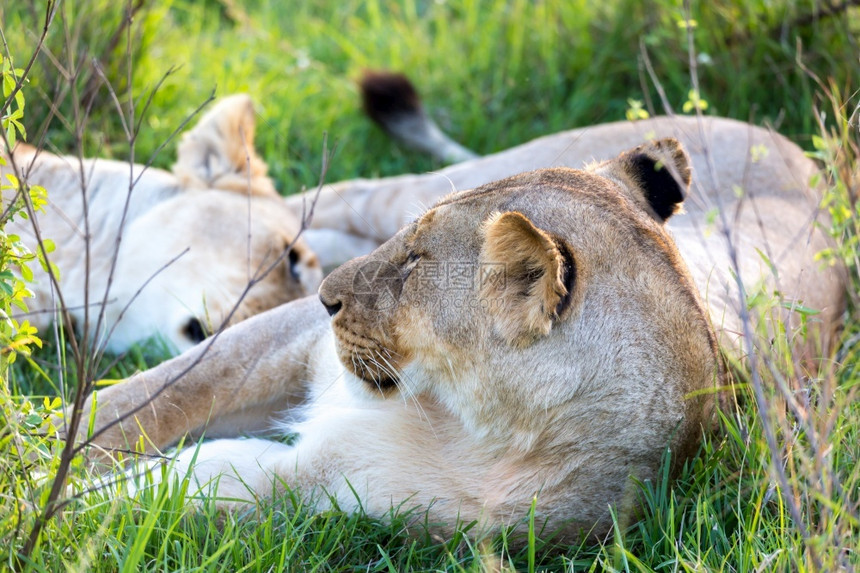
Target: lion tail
x=393 y=103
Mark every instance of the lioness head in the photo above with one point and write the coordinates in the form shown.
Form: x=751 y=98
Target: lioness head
x=176 y=255
x=215 y=253
x=202 y=261
x=548 y=308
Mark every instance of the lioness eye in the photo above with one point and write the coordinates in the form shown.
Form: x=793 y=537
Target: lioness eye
x=293 y=257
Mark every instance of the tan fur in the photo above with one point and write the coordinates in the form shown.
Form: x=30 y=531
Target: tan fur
x=750 y=206
x=218 y=217
x=422 y=399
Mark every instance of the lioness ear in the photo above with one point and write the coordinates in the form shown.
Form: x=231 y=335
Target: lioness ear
x=219 y=152
x=526 y=277
x=656 y=174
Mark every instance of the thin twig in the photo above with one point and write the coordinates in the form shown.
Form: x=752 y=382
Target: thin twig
x=746 y=320
x=92 y=87
x=667 y=107
x=50 y=11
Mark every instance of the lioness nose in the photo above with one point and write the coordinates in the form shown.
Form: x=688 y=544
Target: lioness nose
x=333 y=307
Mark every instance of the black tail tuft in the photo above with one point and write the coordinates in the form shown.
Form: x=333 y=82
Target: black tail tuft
x=388 y=97
x=393 y=103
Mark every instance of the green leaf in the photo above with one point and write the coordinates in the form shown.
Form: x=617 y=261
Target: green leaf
x=20 y=304
x=818 y=143
x=799 y=308
x=767 y=261
x=8 y=85
x=711 y=216
x=19 y=99
x=815 y=180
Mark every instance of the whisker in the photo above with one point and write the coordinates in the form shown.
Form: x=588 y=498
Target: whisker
x=406 y=391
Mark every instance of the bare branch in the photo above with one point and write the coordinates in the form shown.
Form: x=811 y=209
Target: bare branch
x=92 y=86
x=667 y=108
x=50 y=11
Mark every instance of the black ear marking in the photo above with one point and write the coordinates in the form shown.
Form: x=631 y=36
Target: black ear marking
x=660 y=186
x=661 y=174
x=568 y=278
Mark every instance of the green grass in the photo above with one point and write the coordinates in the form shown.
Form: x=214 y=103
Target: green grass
x=494 y=74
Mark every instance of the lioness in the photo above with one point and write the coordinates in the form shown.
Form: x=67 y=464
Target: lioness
x=536 y=336
x=166 y=253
